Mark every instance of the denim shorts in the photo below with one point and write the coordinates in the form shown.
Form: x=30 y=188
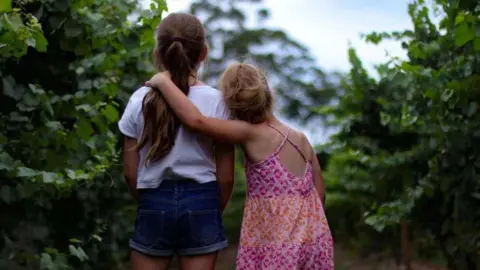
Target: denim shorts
x=179 y=217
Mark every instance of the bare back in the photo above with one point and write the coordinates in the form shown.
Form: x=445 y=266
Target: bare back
x=284 y=223
x=294 y=154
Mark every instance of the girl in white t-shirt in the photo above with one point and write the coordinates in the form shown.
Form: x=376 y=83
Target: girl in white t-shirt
x=181 y=179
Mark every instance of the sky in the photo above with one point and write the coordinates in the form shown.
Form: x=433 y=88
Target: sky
x=329 y=27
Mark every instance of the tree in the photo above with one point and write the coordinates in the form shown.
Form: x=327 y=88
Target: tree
x=408 y=145
x=66 y=67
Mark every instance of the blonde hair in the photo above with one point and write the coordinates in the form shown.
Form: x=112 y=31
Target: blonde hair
x=246 y=93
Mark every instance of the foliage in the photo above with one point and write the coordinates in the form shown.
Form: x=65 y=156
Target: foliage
x=408 y=146
x=65 y=68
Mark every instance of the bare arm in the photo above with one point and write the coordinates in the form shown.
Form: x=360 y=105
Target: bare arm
x=318 y=179
x=230 y=131
x=130 y=165
x=225 y=161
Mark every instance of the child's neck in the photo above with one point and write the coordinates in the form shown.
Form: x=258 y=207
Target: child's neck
x=271 y=119
x=193 y=80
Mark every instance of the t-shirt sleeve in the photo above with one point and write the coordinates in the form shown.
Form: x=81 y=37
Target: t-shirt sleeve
x=222 y=112
x=129 y=122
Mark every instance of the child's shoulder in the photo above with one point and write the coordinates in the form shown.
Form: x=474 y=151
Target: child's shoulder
x=301 y=140
x=296 y=133
x=137 y=97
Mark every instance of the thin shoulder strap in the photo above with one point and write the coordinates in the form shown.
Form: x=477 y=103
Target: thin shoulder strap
x=298 y=150
x=287 y=139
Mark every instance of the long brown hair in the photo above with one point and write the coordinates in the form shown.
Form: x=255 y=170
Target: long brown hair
x=180 y=43
x=246 y=93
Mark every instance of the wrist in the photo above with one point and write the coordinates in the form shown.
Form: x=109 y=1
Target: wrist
x=164 y=82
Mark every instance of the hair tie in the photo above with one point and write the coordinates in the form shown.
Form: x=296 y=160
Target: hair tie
x=179 y=39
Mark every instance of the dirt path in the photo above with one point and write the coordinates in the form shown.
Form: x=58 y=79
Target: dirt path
x=344 y=260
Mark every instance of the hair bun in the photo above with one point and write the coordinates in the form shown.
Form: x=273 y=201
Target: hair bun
x=246 y=92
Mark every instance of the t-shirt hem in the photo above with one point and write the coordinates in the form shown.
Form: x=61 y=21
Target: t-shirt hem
x=126 y=132
x=157 y=184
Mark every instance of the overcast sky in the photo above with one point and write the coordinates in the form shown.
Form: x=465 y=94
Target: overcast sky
x=328 y=26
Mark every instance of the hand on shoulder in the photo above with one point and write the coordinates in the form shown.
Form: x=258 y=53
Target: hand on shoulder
x=159 y=79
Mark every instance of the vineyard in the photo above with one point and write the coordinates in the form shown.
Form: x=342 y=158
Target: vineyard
x=400 y=172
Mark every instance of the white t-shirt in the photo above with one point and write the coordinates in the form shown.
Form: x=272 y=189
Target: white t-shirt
x=192 y=156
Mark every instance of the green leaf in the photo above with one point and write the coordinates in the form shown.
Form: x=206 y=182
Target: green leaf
x=84 y=107
x=49 y=177
x=96 y=237
x=26 y=172
x=476 y=44
x=71 y=174
x=9 y=89
x=79 y=174
x=460 y=18
x=54 y=125
x=6 y=161
x=84 y=129
x=78 y=252
x=14 y=21
x=375 y=222
x=463 y=34
x=111 y=113
x=16 y=117
x=75 y=241
x=72 y=29
x=82 y=254
x=40 y=42
x=5 y=5
x=30 y=42
x=46 y=261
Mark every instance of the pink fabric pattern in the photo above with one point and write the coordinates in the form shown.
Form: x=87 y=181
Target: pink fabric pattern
x=284 y=224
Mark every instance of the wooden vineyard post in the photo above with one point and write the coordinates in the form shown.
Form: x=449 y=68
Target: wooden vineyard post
x=405 y=242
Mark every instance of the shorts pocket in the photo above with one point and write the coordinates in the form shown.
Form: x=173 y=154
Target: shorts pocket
x=204 y=226
x=149 y=227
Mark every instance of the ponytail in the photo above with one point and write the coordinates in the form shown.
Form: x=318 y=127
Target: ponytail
x=179 y=55
x=179 y=65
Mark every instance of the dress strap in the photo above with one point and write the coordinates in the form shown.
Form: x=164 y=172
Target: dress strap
x=298 y=150
x=287 y=139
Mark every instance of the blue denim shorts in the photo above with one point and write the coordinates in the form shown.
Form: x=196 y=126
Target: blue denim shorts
x=179 y=217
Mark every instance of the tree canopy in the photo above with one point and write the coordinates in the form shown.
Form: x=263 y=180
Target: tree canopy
x=408 y=146
x=66 y=68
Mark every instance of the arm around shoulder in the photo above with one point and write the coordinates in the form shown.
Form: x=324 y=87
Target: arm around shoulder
x=231 y=131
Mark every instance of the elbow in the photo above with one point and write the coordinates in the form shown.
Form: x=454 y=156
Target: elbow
x=196 y=122
x=129 y=176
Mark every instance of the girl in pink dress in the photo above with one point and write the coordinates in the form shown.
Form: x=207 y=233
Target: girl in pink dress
x=284 y=224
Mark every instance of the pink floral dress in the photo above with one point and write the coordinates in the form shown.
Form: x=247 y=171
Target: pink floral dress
x=284 y=224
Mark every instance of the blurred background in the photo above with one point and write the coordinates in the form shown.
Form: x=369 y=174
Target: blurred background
x=387 y=91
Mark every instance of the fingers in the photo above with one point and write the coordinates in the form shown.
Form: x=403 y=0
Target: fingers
x=157 y=79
